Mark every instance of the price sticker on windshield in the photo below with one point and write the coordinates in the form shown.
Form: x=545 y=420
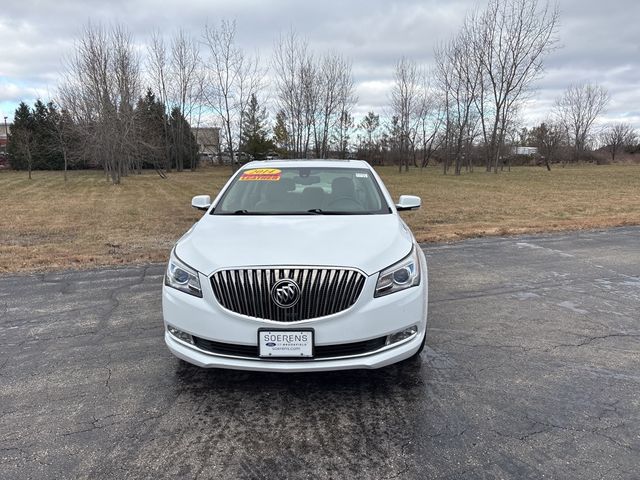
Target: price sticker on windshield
x=261 y=175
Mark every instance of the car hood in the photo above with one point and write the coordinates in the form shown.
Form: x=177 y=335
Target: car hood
x=367 y=242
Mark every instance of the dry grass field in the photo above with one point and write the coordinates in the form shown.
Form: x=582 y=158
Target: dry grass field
x=46 y=224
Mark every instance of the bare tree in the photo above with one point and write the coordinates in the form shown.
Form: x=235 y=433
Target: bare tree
x=232 y=79
x=88 y=93
x=126 y=73
x=618 y=136
x=335 y=91
x=99 y=91
x=250 y=83
x=328 y=91
x=577 y=110
x=158 y=71
x=510 y=41
x=346 y=101
x=295 y=84
x=548 y=137
x=186 y=92
x=430 y=120
x=22 y=140
x=310 y=95
x=458 y=77
x=405 y=96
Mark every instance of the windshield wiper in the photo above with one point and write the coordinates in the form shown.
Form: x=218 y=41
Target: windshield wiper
x=247 y=212
x=319 y=211
x=311 y=211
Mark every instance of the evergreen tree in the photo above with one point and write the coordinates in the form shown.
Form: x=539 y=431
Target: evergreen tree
x=254 y=139
x=183 y=145
x=21 y=139
x=342 y=136
x=40 y=135
x=47 y=153
x=280 y=133
x=33 y=141
x=151 y=131
x=370 y=124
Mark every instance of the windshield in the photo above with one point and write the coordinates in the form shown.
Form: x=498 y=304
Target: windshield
x=303 y=191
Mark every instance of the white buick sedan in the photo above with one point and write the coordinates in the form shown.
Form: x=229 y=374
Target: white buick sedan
x=298 y=265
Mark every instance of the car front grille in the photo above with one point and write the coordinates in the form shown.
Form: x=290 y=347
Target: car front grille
x=322 y=291
x=320 y=351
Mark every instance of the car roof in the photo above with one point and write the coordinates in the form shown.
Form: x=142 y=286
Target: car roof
x=311 y=163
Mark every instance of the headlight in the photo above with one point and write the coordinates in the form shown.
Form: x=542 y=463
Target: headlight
x=401 y=275
x=182 y=277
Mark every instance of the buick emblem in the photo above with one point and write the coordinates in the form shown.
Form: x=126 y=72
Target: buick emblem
x=285 y=293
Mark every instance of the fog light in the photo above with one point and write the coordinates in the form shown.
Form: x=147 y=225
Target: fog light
x=403 y=335
x=179 y=334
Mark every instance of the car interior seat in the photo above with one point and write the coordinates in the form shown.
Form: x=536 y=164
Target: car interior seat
x=312 y=197
x=343 y=187
x=276 y=196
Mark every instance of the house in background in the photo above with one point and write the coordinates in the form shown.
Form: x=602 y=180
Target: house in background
x=5 y=129
x=208 y=139
x=524 y=151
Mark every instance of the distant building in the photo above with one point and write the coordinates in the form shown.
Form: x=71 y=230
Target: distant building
x=3 y=135
x=4 y=159
x=524 y=150
x=208 y=139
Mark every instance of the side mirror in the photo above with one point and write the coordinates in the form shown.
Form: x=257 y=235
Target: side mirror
x=408 y=202
x=201 y=202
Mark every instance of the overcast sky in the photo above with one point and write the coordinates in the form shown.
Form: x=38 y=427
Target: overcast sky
x=600 y=41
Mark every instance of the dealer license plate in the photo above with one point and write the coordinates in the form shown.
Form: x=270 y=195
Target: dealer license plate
x=285 y=343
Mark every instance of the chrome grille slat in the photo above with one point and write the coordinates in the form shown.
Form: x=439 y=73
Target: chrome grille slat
x=311 y=275
x=355 y=287
x=323 y=291
x=351 y=285
x=255 y=275
x=340 y=287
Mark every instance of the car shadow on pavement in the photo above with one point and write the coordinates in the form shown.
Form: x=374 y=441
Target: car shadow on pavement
x=405 y=376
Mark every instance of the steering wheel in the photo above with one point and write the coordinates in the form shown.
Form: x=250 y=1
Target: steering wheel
x=344 y=202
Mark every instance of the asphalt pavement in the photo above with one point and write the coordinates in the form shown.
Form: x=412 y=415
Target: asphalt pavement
x=532 y=370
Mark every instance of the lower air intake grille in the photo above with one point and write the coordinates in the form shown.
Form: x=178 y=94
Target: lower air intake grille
x=320 y=351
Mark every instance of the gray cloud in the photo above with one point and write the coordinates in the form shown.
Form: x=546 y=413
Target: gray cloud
x=599 y=41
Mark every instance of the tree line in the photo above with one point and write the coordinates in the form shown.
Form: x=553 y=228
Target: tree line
x=125 y=108
x=45 y=137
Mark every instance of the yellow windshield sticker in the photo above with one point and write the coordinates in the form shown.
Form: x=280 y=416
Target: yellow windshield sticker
x=261 y=174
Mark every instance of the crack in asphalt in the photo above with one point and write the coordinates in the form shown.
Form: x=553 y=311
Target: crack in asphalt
x=106 y=382
x=589 y=339
x=95 y=425
x=546 y=427
x=595 y=431
x=524 y=437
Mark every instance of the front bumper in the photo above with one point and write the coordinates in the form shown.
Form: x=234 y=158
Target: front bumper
x=369 y=318
x=379 y=359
